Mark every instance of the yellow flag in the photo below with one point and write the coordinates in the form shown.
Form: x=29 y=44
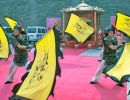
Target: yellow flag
x=11 y=22
x=4 y=46
x=121 y=70
x=123 y=23
x=78 y=28
x=38 y=84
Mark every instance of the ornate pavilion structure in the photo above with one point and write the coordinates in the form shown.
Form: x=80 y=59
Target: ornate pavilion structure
x=91 y=15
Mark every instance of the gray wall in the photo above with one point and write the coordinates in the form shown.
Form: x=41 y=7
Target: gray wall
x=35 y=12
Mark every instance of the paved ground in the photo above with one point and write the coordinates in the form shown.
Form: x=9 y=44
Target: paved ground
x=91 y=52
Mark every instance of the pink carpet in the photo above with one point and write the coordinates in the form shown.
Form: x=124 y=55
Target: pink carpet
x=77 y=72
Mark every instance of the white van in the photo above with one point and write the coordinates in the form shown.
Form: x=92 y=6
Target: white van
x=35 y=33
x=8 y=32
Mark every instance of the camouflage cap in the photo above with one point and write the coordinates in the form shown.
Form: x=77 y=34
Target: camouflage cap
x=110 y=28
x=17 y=27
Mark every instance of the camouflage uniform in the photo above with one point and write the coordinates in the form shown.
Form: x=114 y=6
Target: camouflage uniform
x=108 y=57
x=21 y=55
x=109 y=54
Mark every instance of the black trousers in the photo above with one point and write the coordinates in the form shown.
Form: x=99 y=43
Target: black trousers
x=58 y=51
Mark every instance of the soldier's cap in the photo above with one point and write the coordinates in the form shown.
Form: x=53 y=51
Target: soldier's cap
x=17 y=27
x=111 y=28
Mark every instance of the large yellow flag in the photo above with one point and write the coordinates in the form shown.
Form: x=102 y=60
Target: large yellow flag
x=38 y=84
x=11 y=22
x=4 y=46
x=123 y=23
x=120 y=71
x=78 y=28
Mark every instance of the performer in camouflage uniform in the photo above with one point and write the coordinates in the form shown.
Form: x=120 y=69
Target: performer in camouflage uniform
x=19 y=42
x=110 y=48
x=109 y=55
